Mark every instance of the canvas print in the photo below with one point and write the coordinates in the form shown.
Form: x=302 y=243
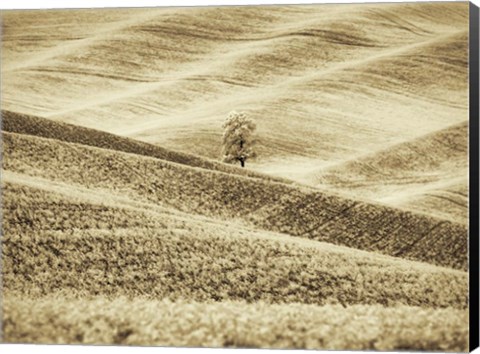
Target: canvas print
x=237 y=176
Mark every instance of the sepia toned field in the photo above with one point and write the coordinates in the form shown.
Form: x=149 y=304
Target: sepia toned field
x=258 y=325
x=121 y=225
x=428 y=174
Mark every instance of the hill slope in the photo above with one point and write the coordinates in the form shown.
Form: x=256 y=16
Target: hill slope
x=42 y=127
x=449 y=200
x=107 y=239
x=269 y=205
x=292 y=68
x=115 y=249
x=235 y=325
x=85 y=226
x=423 y=174
x=77 y=237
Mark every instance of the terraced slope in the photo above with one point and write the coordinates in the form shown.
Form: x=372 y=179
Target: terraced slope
x=292 y=68
x=428 y=174
x=268 y=205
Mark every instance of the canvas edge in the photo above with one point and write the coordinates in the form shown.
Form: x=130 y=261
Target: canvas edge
x=473 y=185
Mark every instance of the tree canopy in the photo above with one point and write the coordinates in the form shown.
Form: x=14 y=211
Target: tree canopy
x=238 y=138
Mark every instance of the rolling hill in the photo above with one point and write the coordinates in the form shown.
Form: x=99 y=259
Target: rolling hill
x=112 y=250
x=31 y=125
x=170 y=76
x=348 y=231
x=270 y=205
x=236 y=325
x=93 y=225
x=82 y=222
x=428 y=174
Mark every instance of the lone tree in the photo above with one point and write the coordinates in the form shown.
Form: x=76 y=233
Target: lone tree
x=237 y=138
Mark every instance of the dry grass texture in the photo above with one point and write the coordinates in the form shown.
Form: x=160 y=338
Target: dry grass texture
x=349 y=231
x=114 y=250
x=428 y=174
x=268 y=205
x=234 y=324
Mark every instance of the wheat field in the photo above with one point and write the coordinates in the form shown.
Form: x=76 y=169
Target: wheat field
x=348 y=230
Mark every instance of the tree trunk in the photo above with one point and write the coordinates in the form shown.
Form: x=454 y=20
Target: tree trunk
x=242 y=162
